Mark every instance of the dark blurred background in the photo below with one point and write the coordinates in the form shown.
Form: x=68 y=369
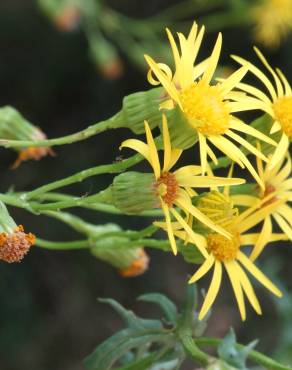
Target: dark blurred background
x=49 y=315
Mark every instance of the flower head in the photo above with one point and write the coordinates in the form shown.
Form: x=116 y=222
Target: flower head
x=208 y=109
x=277 y=103
x=15 y=245
x=278 y=189
x=227 y=253
x=174 y=188
x=273 y=21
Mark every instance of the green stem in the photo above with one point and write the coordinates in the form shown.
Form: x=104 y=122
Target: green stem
x=192 y=350
x=79 y=244
x=255 y=356
x=92 y=130
x=82 y=175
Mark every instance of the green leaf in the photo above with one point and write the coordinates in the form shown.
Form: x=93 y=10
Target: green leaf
x=102 y=359
x=166 y=305
x=141 y=364
x=130 y=318
x=231 y=354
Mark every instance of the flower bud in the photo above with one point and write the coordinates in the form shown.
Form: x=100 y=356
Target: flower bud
x=14 y=242
x=129 y=261
x=66 y=14
x=182 y=135
x=138 y=107
x=13 y=126
x=134 y=192
x=218 y=207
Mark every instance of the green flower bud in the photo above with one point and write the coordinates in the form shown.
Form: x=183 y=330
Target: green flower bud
x=13 y=126
x=137 y=108
x=182 y=135
x=129 y=261
x=134 y=192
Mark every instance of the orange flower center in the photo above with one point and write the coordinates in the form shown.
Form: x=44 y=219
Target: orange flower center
x=283 y=113
x=13 y=247
x=205 y=108
x=223 y=249
x=167 y=187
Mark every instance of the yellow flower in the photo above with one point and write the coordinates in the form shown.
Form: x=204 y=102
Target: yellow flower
x=278 y=187
x=174 y=188
x=273 y=20
x=227 y=253
x=208 y=109
x=278 y=104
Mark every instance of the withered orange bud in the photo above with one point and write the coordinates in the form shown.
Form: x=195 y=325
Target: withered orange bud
x=35 y=153
x=113 y=69
x=68 y=19
x=14 y=246
x=137 y=267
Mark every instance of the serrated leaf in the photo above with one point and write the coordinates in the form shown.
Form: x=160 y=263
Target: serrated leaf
x=166 y=305
x=130 y=318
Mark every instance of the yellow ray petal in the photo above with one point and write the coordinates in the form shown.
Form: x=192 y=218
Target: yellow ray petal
x=255 y=92
x=263 y=239
x=249 y=130
x=213 y=290
x=284 y=173
x=164 y=79
x=226 y=147
x=169 y=228
x=230 y=149
x=195 y=238
x=166 y=144
x=211 y=154
x=186 y=205
x=251 y=267
x=284 y=225
x=152 y=151
x=246 y=145
x=279 y=86
x=139 y=146
x=258 y=73
x=207 y=76
x=281 y=148
x=233 y=80
x=244 y=200
x=191 y=170
x=208 y=181
x=275 y=127
x=200 y=68
x=248 y=289
x=203 y=152
x=288 y=90
x=175 y=155
x=232 y=272
x=257 y=216
x=204 y=268
x=175 y=52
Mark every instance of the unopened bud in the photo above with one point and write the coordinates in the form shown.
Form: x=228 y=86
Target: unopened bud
x=134 y=192
x=130 y=262
x=13 y=126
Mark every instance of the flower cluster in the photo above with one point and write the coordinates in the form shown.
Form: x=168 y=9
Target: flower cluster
x=211 y=213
